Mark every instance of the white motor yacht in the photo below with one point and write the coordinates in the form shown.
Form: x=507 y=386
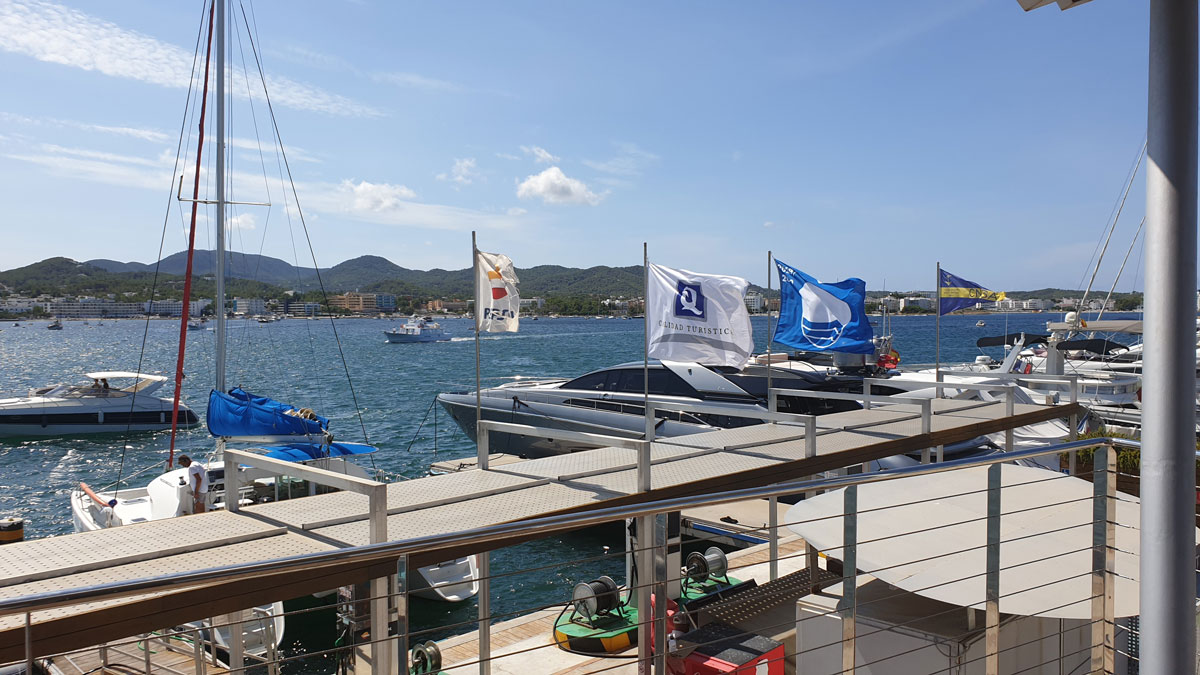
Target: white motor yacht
x=107 y=401
x=611 y=401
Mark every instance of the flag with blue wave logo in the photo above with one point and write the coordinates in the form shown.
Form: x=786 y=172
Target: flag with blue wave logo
x=955 y=293
x=822 y=317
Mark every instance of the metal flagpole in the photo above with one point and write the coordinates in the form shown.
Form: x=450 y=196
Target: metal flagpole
x=937 y=331
x=769 y=336
x=475 y=283
x=646 y=331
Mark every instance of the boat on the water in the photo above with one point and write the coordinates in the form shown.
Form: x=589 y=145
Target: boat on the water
x=418 y=331
x=980 y=323
x=107 y=401
x=55 y=325
x=610 y=401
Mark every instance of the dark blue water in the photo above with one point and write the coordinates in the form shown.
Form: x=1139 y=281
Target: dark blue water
x=299 y=362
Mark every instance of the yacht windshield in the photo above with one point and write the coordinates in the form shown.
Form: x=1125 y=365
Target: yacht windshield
x=632 y=381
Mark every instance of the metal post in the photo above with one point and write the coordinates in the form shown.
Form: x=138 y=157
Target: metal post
x=237 y=642
x=482 y=445
x=219 y=20
x=400 y=592
x=1168 y=641
x=380 y=586
x=937 y=330
x=644 y=582
x=926 y=425
x=646 y=341
x=1009 y=410
x=28 y=643
x=769 y=336
x=145 y=654
x=660 y=594
x=481 y=448
x=643 y=467
x=992 y=653
x=484 y=561
x=197 y=653
x=1104 y=492
x=773 y=535
x=866 y=394
x=233 y=486
x=651 y=416
x=847 y=605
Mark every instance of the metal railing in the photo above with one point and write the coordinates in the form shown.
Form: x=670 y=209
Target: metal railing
x=652 y=552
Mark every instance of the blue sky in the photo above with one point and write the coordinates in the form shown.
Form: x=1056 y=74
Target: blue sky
x=852 y=139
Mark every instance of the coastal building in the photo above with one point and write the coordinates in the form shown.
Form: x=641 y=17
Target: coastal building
x=535 y=303
x=249 y=306
x=917 y=302
x=358 y=303
x=174 y=307
x=455 y=305
x=890 y=303
x=385 y=302
x=298 y=308
x=755 y=302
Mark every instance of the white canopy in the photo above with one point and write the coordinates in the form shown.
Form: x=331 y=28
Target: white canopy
x=114 y=374
x=933 y=540
x=1131 y=326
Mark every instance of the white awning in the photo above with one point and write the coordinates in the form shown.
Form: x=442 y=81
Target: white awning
x=114 y=374
x=933 y=540
x=1133 y=327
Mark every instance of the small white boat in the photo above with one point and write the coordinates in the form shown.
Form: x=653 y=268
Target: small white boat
x=980 y=323
x=109 y=401
x=417 y=331
x=55 y=325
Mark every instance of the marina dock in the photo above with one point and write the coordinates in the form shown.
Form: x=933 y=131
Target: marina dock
x=438 y=505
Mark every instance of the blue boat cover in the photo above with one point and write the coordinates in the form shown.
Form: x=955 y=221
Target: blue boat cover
x=240 y=413
x=302 y=452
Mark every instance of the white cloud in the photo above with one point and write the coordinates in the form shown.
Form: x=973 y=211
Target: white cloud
x=463 y=171
x=242 y=221
x=769 y=224
x=554 y=187
x=56 y=34
x=132 y=132
x=540 y=155
x=414 y=81
x=104 y=156
x=507 y=155
x=375 y=197
x=629 y=161
x=517 y=211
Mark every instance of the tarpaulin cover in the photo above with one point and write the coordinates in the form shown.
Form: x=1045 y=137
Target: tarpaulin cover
x=303 y=452
x=240 y=413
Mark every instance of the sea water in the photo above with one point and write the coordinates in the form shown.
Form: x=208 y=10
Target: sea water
x=370 y=390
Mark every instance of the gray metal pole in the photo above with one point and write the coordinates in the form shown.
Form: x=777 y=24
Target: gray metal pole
x=220 y=157
x=767 y=300
x=1168 y=620
x=478 y=323
x=937 y=331
x=646 y=331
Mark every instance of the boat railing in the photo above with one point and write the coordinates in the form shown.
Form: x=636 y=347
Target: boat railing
x=831 y=599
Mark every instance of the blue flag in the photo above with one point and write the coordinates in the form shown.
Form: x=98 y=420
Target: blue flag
x=822 y=317
x=955 y=293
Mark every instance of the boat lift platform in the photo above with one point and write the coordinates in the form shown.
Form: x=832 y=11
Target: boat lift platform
x=697 y=464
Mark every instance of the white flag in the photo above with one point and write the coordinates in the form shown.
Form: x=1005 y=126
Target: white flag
x=496 y=294
x=698 y=317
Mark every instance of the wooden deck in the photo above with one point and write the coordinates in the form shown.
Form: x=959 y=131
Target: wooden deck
x=699 y=464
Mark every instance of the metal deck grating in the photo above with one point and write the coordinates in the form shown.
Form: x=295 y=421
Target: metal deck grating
x=280 y=546
x=37 y=558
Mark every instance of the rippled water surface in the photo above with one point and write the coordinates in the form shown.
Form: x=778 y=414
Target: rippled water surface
x=298 y=361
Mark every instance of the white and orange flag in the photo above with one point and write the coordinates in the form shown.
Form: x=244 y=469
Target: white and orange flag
x=496 y=293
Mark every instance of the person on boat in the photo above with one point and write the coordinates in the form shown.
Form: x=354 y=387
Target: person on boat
x=95 y=384
x=197 y=482
x=104 y=385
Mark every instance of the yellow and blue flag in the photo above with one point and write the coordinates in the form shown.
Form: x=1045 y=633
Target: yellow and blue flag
x=955 y=293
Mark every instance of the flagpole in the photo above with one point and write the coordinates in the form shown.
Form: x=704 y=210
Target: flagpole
x=646 y=336
x=768 y=303
x=475 y=284
x=937 y=336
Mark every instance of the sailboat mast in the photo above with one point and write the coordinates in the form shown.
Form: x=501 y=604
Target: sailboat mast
x=220 y=269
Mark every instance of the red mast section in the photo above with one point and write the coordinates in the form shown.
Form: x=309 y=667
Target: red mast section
x=187 y=279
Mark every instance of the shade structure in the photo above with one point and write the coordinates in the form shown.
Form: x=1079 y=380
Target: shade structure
x=928 y=535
